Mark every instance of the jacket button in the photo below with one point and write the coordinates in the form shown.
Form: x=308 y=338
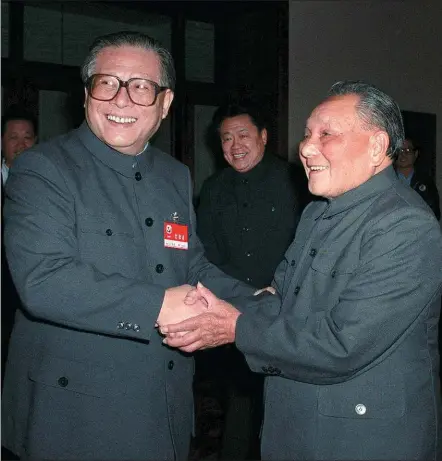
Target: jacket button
x=136 y=327
x=313 y=252
x=249 y=253
x=246 y=229
x=109 y=232
x=249 y=279
x=120 y=325
x=148 y=222
x=292 y=262
x=245 y=181
x=333 y=274
x=63 y=381
x=360 y=409
x=297 y=290
x=138 y=176
x=159 y=268
x=128 y=326
x=170 y=365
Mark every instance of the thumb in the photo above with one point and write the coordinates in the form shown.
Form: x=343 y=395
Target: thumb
x=206 y=293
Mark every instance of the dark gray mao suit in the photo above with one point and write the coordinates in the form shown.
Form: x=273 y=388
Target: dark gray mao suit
x=87 y=375
x=351 y=353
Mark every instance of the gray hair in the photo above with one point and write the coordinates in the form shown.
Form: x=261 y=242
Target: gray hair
x=135 y=39
x=375 y=109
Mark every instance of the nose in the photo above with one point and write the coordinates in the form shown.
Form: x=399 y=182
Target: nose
x=22 y=143
x=308 y=149
x=235 y=142
x=121 y=99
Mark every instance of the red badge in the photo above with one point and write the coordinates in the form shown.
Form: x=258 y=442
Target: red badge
x=176 y=236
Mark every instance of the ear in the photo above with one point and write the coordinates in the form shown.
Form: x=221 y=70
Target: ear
x=166 y=102
x=85 y=96
x=378 y=145
x=264 y=136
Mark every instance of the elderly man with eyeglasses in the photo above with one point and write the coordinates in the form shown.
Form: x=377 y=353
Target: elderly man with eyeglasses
x=100 y=237
x=421 y=183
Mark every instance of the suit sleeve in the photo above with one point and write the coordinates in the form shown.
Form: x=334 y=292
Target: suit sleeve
x=392 y=291
x=42 y=250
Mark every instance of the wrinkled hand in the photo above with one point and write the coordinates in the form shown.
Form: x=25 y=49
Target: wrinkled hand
x=174 y=309
x=211 y=329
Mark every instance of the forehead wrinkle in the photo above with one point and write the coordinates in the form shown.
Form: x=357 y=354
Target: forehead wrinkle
x=331 y=122
x=128 y=60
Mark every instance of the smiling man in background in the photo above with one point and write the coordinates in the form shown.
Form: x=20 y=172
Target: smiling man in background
x=19 y=132
x=350 y=353
x=247 y=217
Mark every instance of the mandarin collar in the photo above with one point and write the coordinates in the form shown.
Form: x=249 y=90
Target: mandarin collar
x=375 y=185
x=255 y=174
x=122 y=163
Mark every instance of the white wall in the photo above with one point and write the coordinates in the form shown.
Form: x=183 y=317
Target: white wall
x=396 y=45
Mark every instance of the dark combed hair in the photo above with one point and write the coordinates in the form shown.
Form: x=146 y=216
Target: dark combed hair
x=376 y=110
x=18 y=112
x=233 y=109
x=136 y=39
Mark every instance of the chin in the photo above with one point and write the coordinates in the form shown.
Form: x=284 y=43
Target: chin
x=121 y=141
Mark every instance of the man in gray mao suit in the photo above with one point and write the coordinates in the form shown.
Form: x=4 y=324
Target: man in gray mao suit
x=100 y=238
x=349 y=345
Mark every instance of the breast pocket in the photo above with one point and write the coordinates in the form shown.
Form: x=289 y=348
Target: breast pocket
x=107 y=242
x=331 y=271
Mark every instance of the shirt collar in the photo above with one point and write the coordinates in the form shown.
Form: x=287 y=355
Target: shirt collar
x=124 y=164
x=374 y=186
x=5 y=171
x=405 y=179
x=255 y=174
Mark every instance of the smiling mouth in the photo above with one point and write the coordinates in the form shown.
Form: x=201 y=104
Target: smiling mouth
x=239 y=156
x=317 y=168
x=121 y=120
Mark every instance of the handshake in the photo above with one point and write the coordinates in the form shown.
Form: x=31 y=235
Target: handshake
x=193 y=318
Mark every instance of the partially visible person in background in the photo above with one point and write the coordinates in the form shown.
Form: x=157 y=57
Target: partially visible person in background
x=421 y=183
x=247 y=217
x=19 y=132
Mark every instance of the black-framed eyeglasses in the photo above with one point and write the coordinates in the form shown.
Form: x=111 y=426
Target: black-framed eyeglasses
x=141 y=91
x=407 y=151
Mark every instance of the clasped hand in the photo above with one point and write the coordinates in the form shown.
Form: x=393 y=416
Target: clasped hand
x=214 y=324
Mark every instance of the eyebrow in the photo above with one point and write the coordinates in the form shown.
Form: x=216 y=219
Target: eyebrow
x=19 y=131
x=234 y=131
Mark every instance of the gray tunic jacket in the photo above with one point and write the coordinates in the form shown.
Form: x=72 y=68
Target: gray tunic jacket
x=87 y=374
x=351 y=354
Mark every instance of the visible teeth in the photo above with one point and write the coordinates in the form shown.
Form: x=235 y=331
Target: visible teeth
x=239 y=155
x=317 y=168
x=116 y=119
